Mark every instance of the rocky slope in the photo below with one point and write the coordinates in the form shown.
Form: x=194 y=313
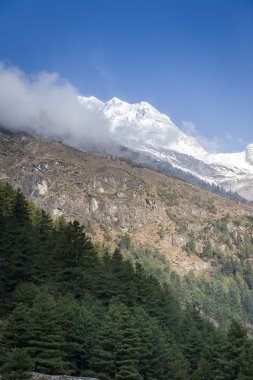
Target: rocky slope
x=115 y=198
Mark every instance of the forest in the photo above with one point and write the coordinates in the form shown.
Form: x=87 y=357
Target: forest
x=68 y=306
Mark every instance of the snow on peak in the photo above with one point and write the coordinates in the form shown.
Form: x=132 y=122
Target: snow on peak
x=91 y=102
x=140 y=126
x=114 y=101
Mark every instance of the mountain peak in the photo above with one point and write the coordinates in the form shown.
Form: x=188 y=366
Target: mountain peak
x=115 y=101
x=143 y=128
x=91 y=102
x=146 y=105
x=95 y=100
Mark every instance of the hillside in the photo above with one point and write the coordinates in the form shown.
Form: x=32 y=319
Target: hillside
x=118 y=197
x=68 y=307
x=161 y=221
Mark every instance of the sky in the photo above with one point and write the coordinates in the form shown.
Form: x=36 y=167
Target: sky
x=191 y=59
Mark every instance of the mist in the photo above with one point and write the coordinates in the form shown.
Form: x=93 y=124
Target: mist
x=46 y=105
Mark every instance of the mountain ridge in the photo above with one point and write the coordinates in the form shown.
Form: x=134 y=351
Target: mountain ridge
x=142 y=128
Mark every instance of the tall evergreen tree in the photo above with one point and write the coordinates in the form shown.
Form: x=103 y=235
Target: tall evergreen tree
x=76 y=259
x=230 y=362
x=18 y=365
x=46 y=343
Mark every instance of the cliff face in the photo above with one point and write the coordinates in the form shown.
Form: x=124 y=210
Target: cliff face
x=113 y=198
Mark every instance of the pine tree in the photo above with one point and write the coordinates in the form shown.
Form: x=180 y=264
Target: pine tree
x=230 y=362
x=7 y=196
x=18 y=365
x=42 y=265
x=79 y=325
x=25 y=294
x=76 y=259
x=102 y=360
x=17 y=331
x=116 y=354
x=194 y=337
x=160 y=357
x=126 y=342
x=46 y=343
x=246 y=368
x=17 y=247
x=207 y=251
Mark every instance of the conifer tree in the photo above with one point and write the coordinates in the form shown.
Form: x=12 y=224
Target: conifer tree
x=76 y=259
x=246 y=367
x=230 y=362
x=18 y=365
x=102 y=360
x=43 y=256
x=46 y=343
x=79 y=324
x=126 y=342
x=17 y=331
x=18 y=249
x=160 y=357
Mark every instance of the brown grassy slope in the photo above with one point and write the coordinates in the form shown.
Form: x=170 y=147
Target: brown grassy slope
x=115 y=197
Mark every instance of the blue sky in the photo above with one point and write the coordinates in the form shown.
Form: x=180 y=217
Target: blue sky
x=192 y=59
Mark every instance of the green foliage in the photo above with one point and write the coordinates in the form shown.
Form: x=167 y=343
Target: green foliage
x=190 y=246
x=18 y=365
x=225 y=295
x=235 y=347
x=180 y=223
x=207 y=252
x=73 y=311
x=171 y=198
x=45 y=343
x=207 y=204
x=161 y=232
x=125 y=242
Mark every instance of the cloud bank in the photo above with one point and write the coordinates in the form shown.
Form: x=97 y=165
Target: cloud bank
x=211 y=145
x=47 y=105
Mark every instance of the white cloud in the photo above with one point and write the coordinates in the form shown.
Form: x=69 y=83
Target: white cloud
x=211 y=145
x=48 y=106
x=228 y=136
x=189 y=128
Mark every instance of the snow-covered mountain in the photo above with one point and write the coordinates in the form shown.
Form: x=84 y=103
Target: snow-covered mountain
x=142 y=128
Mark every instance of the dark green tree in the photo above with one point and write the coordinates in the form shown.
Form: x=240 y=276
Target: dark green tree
x=46 y=343
x=126 y=342
x=230 y=362
x=18 y=365
x=75 y=258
